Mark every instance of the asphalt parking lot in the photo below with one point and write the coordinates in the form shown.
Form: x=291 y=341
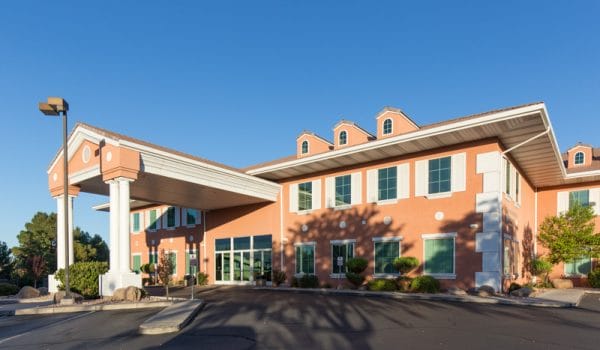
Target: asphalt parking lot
x=242 y=318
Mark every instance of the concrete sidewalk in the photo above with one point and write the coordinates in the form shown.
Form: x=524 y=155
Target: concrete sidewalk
x=572 y=296
x=171 y=319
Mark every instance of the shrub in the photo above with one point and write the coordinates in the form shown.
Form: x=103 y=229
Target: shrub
x=357 y=265
x=514 y=286
x=295 y=283
x=425 y=284
x=202 y=279
x=147 y=268
x=594 y=278
x=541 y=267
x=382 y=285
x=405 y=264
x=8 y=289
x=355 y=278
x=83 y=277
x=279 y=277
x=308 y=281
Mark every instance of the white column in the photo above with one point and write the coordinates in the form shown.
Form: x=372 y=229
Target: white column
x=60 y=233
x=71 y=250
x=114 y=226
x=124 y=249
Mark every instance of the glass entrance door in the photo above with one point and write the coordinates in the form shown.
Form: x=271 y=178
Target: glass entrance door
x=241 y=266
x=223 y=267
x=262 y=263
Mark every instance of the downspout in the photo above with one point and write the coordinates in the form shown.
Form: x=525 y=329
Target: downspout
x=204 y=241
x=281 y=246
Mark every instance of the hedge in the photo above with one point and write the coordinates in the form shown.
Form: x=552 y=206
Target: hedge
x=382 y=285
x=83 y=277
x=8 y=289
x=425 y=284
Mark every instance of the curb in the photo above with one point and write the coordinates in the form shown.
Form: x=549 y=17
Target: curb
x=83 y=308
x=160 y=323
x=426 y=297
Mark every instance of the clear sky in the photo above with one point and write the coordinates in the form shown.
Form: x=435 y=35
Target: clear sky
x=236 y=82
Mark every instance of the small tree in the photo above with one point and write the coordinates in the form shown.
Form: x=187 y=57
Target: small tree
x=165 y=270
x=570 y=235
x=405 y=264
x=356 y=266
x=541 y=268
x=38 y=267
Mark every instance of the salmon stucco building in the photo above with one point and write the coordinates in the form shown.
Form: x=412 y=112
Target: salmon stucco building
x=465 y=196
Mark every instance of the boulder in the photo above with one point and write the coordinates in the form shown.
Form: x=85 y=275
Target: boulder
x=522 y=292
x=456 y=291
x=58 y=296
x=133 y=294
x=28 y=292
x=118 y=294
x=562 y=283
x=485 y=291
x=43 y=291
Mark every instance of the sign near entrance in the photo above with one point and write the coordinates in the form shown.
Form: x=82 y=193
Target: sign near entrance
x=340 y=261
x=193 y=260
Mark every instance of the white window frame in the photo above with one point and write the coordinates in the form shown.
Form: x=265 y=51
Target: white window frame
x=141 y=261
x=166 y=213
x=340 y=138
x=302 y=244
x=575 y=158
x=383 y=127
x=307 y=147
x=141 y=222
x=157 y=222
x=184 y=213
x=386 y=240
x=339 y=242
x=445 y=276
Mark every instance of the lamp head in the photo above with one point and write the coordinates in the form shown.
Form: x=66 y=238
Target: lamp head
x=54 y=106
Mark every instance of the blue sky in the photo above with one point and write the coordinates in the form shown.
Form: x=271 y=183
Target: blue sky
x=236 y=82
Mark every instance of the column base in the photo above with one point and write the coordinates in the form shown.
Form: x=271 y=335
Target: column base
x=52 y=284
x=111 y=281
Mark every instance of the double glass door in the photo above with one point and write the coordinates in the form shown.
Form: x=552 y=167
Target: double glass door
x=243 y=259
x=241 y=266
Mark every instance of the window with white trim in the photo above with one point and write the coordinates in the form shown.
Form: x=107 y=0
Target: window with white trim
x=578 y=267
x=343 y=138
x=579 y=197
x=305 y=196
x=343 y=190
x=153 y=215
x=440 y=175
x=386 y=251
x=304 y=147
x=136 y=222
x=387 y=126
x=511 y=258
x=345 y=250
x=305 y=258
x=191 y=216
x=171 y=217
x=579 y=158
x=438 y=254
x=388 y=182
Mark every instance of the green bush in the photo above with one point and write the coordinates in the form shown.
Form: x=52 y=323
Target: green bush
x=308 y=281
x=425 y=284
x=357 y=265
x=202 y=279
x=8 y=289
x=594 y=278
x=540 y=267
x=405 y=264
x=514 y=286
x=279 y=277
x=295 y=283
x=83 y=277
x=147 y=268
x=382 y=285
x=355 y=278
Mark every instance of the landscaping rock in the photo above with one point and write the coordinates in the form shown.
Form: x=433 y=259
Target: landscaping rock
x=562 y=283
x=522 y=292
x=118 y=294
x=28 y=292
x=456 y=291
x=43 y=291
x=58 y=296
x=485 y=291
x=133 y=294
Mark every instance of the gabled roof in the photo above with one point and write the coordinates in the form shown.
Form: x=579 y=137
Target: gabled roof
x=306 y=132
x=396 y=110
x=580 y=168
x=344 y=121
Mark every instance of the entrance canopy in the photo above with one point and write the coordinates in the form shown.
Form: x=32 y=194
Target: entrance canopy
x=157 y=175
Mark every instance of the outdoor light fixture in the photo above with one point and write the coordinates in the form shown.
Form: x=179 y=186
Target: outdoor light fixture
x=54 y=107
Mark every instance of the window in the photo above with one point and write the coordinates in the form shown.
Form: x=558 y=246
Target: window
x=137 y=263
x=153 y=215
x=439 y=175
x=387 y=183
x=345 y=250
x=136 y=222
x=511 y=257
x=507 y=177
x=305 y=196
x=189 y=269
x=343 y=137
x=439 y=256
x=581 y=266
x=580 y=197
x=304 y=147
x=191 y=216
x=385 y=253
x=387 y=127
x=222 y=244
x=305 y=259
x=173 y=258
x=579 y=158
x=343 y=190
x=517 y=187
x=171 y=217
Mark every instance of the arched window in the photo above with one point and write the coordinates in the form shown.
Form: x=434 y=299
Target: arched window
x=387 y=126
x=304 y=147
x=343 y=138
x=579 y=158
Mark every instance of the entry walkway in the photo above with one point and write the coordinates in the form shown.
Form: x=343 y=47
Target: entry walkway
x=573 y=295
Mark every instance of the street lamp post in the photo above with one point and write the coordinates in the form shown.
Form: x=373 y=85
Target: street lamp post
x=54 y=107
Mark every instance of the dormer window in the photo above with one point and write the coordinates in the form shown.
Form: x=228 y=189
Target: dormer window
x=343 y=138
x=304 y=147
x=579 y=158
x=387 y=127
